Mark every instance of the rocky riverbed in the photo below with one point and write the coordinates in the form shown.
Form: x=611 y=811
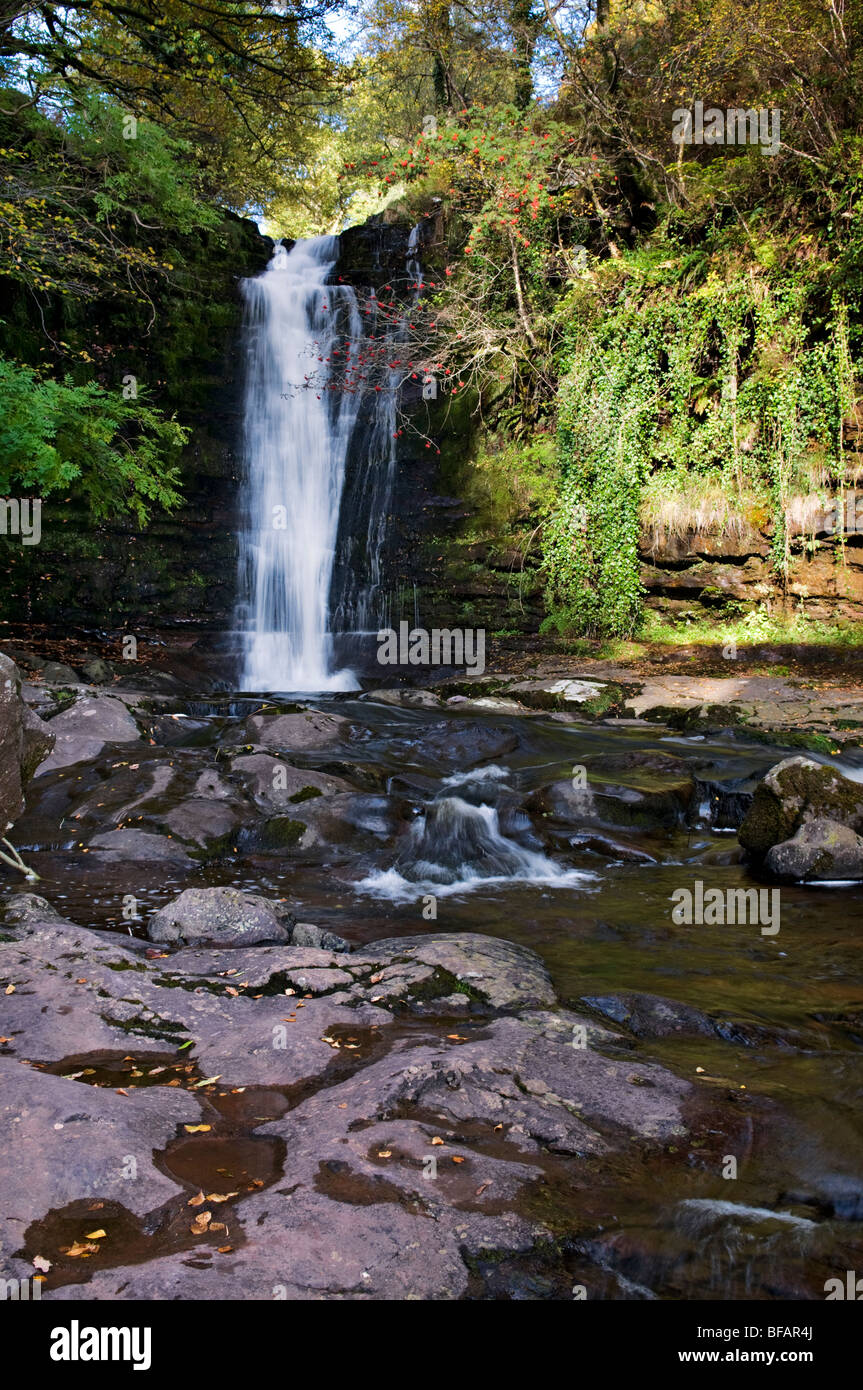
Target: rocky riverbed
x=382 y=996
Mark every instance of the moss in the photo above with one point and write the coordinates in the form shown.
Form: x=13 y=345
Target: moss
x=282 y=832
x=798 y=791
x=305 y=794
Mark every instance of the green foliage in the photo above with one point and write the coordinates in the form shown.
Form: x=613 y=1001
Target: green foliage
x=512 y=484
x=738 y=377
x=119 y=455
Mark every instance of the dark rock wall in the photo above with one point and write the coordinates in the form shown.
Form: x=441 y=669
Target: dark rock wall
x=180 y=568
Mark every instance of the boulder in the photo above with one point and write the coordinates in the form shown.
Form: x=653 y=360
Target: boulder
x=97 y=672
x=221 y=916
x=276 y=786
x=119 y=845
x=794 y=792
x=82 y=730
x=304 y=729
x=25 y=740
x=203 y=823
x=822 y=849
x=58 y=673
x=304 y=934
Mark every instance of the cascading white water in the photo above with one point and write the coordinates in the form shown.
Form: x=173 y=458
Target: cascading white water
x=295 y=441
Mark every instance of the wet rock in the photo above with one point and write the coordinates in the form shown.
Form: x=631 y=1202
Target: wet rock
x=500 y=973
x=348 y=822
x=203 y=823
x=612 y=804
x=97 y=672
x=407 y=699
x=304 y=934
x=454 y=745
x=297 y=732
x=276 y=786
x=218 y=915
x=118 y=846
x=84 y=1137
x=403 y=1172
x=23 y=910
x=650 y=1015
x=83 y=729
x=57 y=673
x=821 y=850
x=794 y=792
x=25 y=741
x=609 y=848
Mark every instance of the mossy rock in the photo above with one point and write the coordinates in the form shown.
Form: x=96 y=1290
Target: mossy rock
x=280 y=832
x=793 y=793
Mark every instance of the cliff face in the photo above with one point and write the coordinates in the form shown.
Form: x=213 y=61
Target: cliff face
x=444 y=561
x=180 y=568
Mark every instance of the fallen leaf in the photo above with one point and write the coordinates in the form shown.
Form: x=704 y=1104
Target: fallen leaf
x=437 y=1139
x=208 y=1081
x=456 y=1159
x=196 y=1201
x=39 y=1262
x=481 y=1189
x=385 y=1153
x=221 y=1196
x=234 y=993
x=201 y=1222
x=196 y=1129
x=225 y=1249
x=79 y=1251
x=10 y=989
x=95 y=1235
x=118 y=1091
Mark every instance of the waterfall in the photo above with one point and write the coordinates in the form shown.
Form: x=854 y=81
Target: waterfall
x=296 y=436
x=360 y=601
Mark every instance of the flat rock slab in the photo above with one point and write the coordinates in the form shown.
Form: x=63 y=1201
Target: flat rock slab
x=61 y=1141
x=82 y=730
x=297 y=732
x=412 y=1142
x=502 y=974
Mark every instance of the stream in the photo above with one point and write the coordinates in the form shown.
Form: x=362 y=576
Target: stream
x=444 y=831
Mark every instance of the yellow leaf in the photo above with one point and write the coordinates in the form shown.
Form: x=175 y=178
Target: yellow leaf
x=95 y=1235
x=196 y=1129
